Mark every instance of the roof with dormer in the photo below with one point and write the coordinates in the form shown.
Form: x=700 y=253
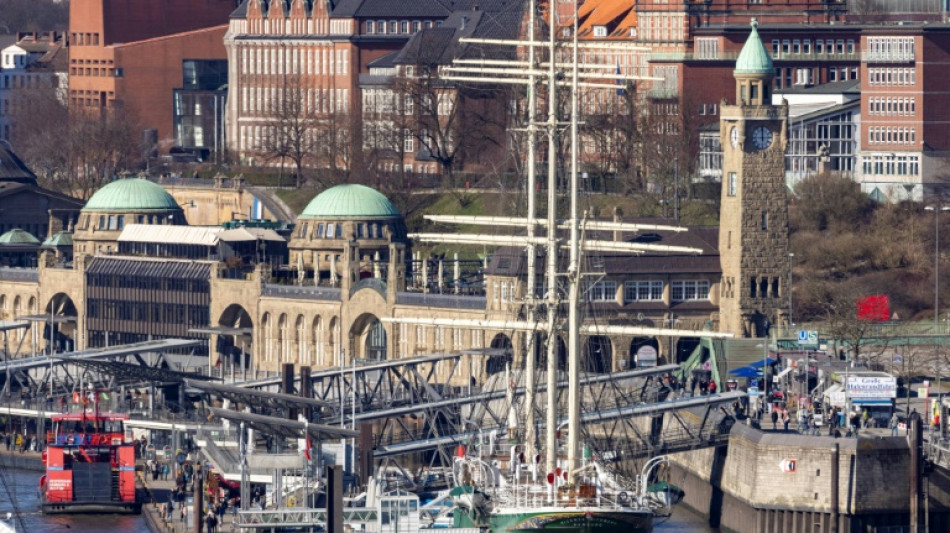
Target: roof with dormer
x=754 y=57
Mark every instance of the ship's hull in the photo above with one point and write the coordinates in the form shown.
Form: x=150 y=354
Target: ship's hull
x=573 y=521
x=80 y=507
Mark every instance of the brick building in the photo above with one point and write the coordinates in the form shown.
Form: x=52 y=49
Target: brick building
x=128 y=54
x=904 y=129
x=34 y=61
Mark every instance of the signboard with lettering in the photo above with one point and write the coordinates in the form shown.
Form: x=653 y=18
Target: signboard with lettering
x=808 y=339
x=876 y=387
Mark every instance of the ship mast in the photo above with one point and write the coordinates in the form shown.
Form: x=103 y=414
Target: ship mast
x=574 y=278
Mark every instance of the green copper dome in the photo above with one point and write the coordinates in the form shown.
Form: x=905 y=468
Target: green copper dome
x=18 y=236
x=754 y=58
x=350 y=201
x=132 y=194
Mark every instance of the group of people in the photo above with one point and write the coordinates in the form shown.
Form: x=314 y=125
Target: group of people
x=157 y=470
x=19 y=442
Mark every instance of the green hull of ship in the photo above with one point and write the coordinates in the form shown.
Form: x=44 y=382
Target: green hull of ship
x=573 y=522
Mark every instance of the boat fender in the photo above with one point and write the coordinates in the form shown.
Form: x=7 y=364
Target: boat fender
x=291 y=502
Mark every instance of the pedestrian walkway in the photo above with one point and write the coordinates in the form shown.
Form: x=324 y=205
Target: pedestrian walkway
x=157 y=494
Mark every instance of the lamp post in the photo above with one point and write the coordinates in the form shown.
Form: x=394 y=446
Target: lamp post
x=937 y=209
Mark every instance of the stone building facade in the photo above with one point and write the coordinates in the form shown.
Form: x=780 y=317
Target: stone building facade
x=753 y=230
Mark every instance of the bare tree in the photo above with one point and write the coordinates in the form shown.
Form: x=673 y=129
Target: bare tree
x=453 y=122
x=74 y=152
x=292 y=128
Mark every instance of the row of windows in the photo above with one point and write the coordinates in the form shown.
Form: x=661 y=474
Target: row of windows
x=84 y=39
x=892 y=76
x=879 y=105
x=476 y=337
x=193 y=315
x=680 y=291
x=266 y=100
x=117 y=222
x=661 y=26
x=804 y=46
x=891 y=48
x=889 y=135
x=293 y=60
x=394 y=27
x=890 y=165
x=148 y=283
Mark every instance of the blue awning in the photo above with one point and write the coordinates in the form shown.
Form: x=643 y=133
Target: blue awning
x=744 y=372
x=762 y=362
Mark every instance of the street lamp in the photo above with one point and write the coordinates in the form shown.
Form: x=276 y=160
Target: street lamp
x=937 y=209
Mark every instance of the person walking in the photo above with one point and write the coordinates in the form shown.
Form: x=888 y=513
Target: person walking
x=785 y=418
x=894 y=421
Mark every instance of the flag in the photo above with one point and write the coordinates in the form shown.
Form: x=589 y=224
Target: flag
x=306 y=449
x=76 y=398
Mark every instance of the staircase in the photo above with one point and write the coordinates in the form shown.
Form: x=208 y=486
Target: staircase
x=115 y=486
x=743 y=352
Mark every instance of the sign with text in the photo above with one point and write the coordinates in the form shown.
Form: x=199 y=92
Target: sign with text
x=808 y=338
x=883 y=387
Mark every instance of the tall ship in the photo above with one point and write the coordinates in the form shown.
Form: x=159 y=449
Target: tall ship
x=90 y=465
x=530 y=477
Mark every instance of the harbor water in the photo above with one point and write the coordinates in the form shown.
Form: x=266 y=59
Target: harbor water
x=18 y=491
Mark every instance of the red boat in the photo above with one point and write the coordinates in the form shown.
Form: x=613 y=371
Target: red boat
x=90 y=466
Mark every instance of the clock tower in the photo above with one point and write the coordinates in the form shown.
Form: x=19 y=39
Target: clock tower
x=753 y=230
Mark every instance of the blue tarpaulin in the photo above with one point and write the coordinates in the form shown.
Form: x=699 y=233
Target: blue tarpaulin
x=744 y=372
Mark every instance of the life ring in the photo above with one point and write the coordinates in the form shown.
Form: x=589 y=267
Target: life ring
x=291 y=502
x=70 y=439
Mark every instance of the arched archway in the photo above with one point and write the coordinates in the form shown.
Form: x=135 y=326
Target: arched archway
x=267 y=326
x=283 y=339
x=644 y=352
x=333 y=338
x=63 y=333
x=498 y=361
x=598 y=354
x=319 y=338
x=369 y=338
x=685 y=347
x=236 y=348
x=300 y=340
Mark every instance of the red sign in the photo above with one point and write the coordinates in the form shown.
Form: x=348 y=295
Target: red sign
x=874 y=308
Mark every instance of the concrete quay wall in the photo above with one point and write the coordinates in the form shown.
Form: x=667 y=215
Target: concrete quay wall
x=748 y=487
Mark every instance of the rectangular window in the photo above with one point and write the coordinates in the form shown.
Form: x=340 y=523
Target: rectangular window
x=690 y=290
x=733 y=184
x=806 y=46
x=642 y=291
x=600 y=31
x=602 y=291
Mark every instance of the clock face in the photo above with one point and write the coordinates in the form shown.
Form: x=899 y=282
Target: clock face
x=761 y=138
x=734 y=136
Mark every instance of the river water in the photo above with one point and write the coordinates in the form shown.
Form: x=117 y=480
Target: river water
x=18 y=491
